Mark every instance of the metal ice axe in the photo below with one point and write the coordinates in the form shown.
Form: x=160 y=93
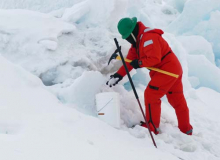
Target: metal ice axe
x=134 y=90
x=115 y=56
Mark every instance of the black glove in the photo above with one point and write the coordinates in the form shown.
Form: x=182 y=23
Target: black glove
x=114 y=79
x=135 y=64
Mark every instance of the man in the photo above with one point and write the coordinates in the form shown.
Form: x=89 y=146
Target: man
x=149 y=49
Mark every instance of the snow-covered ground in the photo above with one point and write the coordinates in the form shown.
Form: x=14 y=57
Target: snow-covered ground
x=53 y=61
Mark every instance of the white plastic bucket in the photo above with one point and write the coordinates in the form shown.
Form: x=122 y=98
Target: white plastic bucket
x=108 y=108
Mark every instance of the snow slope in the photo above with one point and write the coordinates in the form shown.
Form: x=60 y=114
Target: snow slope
x=54 y=63
x=35 y=125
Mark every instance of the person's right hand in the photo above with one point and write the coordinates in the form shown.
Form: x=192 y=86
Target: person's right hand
x=114 y=79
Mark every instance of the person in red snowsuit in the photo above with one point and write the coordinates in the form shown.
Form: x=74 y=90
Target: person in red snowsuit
x=149 y=49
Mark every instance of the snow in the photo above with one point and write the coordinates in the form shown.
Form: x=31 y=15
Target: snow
x=40 y=5
x=53 y=61
x=25 y=35
x=35 y=125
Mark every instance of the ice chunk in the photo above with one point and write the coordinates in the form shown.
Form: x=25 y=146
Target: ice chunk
x=76 y=12
x=209 y=28
x=197 y=45
x=194 y=12
x=50 y=45
x=194 y=81
x=199 y=17
x=207 y=73
x=150 y=12
x=82 y=92
x=179 y=5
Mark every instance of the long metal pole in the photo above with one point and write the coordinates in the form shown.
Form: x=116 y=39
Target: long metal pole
x=134 y=90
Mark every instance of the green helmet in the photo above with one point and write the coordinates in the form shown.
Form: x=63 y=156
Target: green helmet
x=126 y=26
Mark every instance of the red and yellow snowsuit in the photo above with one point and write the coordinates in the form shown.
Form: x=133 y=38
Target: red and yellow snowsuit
x=153 y=51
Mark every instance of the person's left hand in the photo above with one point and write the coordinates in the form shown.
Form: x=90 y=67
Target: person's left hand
x=114 y=79
x=135 y=64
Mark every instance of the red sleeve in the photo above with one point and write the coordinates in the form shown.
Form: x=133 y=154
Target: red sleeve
x=151 y=52
x=132 y=54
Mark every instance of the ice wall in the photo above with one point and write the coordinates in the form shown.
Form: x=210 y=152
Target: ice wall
x=200 y=17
